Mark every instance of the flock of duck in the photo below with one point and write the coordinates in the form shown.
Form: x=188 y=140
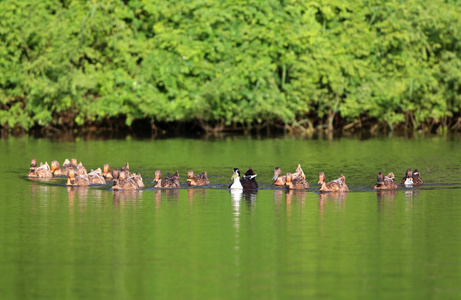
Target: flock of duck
x=123 y=179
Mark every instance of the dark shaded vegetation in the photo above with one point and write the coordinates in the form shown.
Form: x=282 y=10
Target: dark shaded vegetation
x=214 y=66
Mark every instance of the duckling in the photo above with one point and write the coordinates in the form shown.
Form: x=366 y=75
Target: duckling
x=408 y=179
x=95 y=177
x=416 y=178
x=43 y=171
x=386 y=182
x=297 y=183
x=249 y=180
x=170 y=181
x=121 y=182
x=106 y=172
x=338 y=185
x=200 y=179
x=236 y=177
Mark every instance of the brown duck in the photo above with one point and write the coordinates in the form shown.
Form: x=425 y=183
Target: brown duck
x=170 y=181
x=386 y=182
x=298 y=183
x=96 y=177
x=279 y=179
x=416 y=178
x=59 y=170
x=43 y=171
x=200 y=179
x=338 y=185
x=122 y=182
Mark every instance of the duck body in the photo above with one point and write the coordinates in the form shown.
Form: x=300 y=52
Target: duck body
x=96 y=177
x=298 y=183
x=386 y=182
x=123 y=180
x=80 y=180
x=67 y=166
x=170 y=181
x=125 y=184
x=195 y=180
x=249 y=180
x=408 y=179
x=43 y=171
x=416 y=178
x=338 y=185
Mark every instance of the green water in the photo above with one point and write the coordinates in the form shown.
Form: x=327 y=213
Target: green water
x=93 y=243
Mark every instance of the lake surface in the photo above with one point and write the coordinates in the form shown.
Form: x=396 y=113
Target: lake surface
x=201 y=243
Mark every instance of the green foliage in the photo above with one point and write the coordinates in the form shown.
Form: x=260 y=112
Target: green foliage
x=70 y=62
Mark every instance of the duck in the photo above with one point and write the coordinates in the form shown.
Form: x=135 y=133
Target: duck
x=59 y=170
x=249 y=180
x=297 y=183
x=416 y=178
x=107 y=174
x=43 y=171
x=408 y=179
x=170 y=181
x=96 y=177
x=121 y=182
x=200 y=179
x=338 y=185
x=236 y=185
x=386 y=182
x=80 y=180
x=279 y=179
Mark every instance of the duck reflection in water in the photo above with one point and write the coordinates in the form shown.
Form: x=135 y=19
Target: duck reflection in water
x=123 y=197
x=249 y=198
x=337 y=198
x=193 y=193
x=166 y=194
x=291 y=195
x=385 y=196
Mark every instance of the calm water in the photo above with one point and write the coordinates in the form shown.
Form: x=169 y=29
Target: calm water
x=60 y=243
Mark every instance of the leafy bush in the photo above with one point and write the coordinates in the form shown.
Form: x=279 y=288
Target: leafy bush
x=68 y=63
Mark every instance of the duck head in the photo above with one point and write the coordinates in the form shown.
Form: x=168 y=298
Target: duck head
x=415 y=174
x=322 y=178
x=277 y=173
x=380 y=178
x=73 y=161
x=190 y=176
x=33 y=164
x=408 y=173
x=70 y=177
x=158 y=176
x=235 y=174
x=55 y=165
x=106 y=169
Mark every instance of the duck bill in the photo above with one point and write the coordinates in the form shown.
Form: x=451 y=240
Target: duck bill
x=234 y=175
x=276 y=176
